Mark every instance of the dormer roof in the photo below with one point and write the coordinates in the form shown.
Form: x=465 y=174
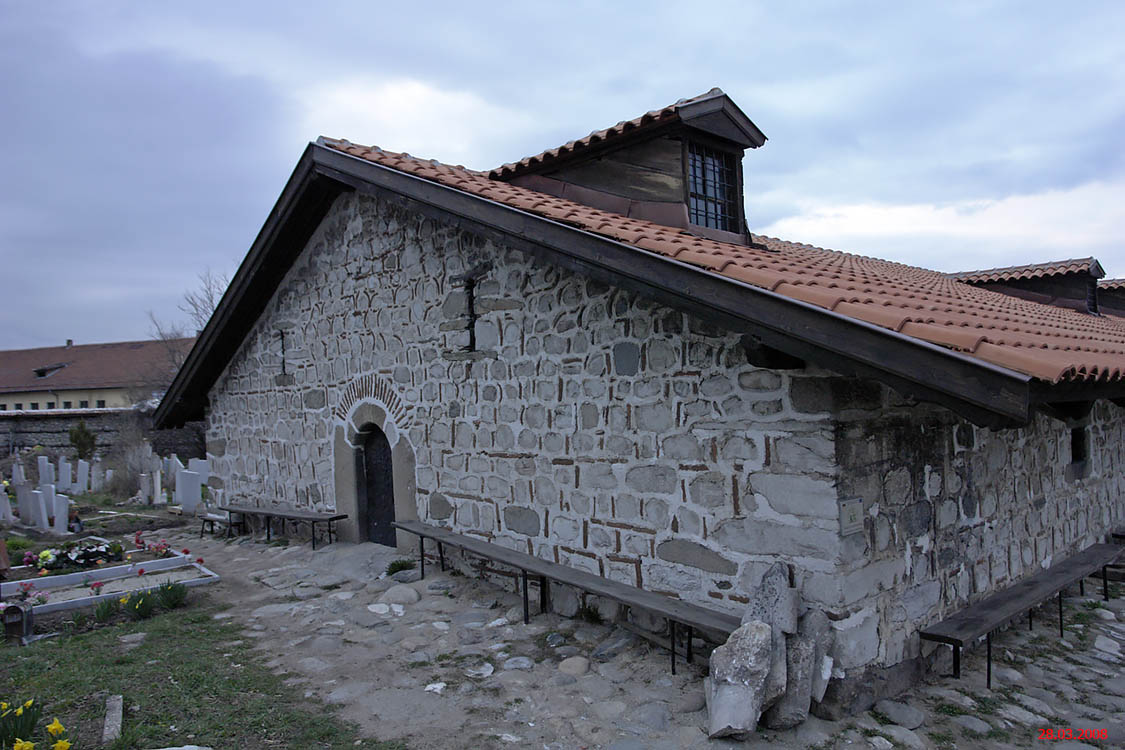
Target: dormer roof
x=713 y=113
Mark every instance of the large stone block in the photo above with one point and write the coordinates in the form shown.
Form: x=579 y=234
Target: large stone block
x=792 y=707
x=695 y=555
x=754 y=536
x=652 y=478
x=711 y=490
x=659 y=417
x=797 y=495
x=522 y=520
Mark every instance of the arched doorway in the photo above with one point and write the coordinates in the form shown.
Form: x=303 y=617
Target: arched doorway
x=377 y=487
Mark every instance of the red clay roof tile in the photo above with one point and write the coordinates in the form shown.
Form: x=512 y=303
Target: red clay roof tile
x=1031 y=271
x=121 y=364
x=1049 y=343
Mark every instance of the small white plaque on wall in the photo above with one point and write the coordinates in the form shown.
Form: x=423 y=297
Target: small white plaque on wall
x=851 y=516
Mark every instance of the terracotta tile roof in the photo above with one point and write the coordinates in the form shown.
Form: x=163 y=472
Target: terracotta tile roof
x=1049 y=343
x=1089 y=266
x=118 y=365
x=648 y=119
x=1111 y=283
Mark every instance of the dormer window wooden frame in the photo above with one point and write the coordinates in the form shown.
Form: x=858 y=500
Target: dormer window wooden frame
x=713 y=186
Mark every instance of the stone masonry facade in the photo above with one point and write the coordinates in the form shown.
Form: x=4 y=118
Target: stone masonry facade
x=593 y=427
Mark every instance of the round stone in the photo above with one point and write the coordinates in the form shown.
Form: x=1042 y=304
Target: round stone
x=519 y=662
x=400 y=594
x=575 y=665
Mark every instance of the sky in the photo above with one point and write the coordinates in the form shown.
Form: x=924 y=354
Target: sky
x=143 y=144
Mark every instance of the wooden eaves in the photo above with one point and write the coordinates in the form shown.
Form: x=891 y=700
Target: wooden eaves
x=984 y=393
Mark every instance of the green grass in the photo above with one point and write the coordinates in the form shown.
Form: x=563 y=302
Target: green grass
x=950 y=709
x=399 y=565
x=190 y=673
x=19 y=544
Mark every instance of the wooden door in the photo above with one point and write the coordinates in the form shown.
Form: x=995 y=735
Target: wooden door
x=379 y=483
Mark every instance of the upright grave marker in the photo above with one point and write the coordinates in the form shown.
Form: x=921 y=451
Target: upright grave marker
x=83 y=483
x=66 y=478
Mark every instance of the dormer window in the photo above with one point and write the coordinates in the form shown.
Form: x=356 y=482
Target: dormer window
x=713 y=188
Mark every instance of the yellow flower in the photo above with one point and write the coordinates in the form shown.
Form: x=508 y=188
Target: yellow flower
x=3 y=706
x=124 y=600
x=19 y=711
x=23 y=745
x=55 y=728
x=61 y=745
x=28 y=703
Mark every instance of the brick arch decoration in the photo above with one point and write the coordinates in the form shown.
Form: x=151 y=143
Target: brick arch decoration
x=373 y=388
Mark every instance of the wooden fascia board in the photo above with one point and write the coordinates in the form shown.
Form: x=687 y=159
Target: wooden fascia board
x=982 y=392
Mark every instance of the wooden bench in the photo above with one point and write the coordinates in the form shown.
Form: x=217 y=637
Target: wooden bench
x=283 y=514
x=1118 y=535
x=676 y=612
x=987 y=615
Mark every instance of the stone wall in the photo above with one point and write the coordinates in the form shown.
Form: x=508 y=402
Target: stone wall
x=595 y=428
x=954 y=512
x=590 y=427
x=52 y=429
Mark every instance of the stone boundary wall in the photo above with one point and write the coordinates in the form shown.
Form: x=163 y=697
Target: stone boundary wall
x=51 y=429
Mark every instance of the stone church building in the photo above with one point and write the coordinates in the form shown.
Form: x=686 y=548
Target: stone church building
x=587 y=355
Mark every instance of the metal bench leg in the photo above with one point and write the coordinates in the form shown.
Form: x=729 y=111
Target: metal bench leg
x=269 y=529
x=956 y=662
x=1105 y=583
x=988 y=641
x=690 y=635
x=1082 y=587
x=422 y=555
x=672 y=643
x=1030 y=620
x=202 y=526
x=544 y=597
x=441 y=555
x=526 y=606
x=1060 y=616
x=313 y=525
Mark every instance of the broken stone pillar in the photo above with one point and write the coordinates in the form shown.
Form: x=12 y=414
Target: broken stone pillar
x=825 y=637
x=801 y=665
x=735 y=689
x=774 y=602
x=18 y=474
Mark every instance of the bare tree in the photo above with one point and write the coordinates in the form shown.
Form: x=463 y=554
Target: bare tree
x=200 y=303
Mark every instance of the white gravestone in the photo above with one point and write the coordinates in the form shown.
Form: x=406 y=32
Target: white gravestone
x=23 y=502
x=62 y=513
x=97 y=476
x=18 y=474
x=157 y=490
x=145 y=489
x=200 y=467
x=188 y=491
x=108 y=476
x=65 y=476
x=39 y=507
x=6 y=516
x=46 y=471
x=82 y=486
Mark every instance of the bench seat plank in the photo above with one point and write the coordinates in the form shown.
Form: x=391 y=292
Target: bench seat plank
x=991 y=613
x=682 y=612
x=294 y=514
